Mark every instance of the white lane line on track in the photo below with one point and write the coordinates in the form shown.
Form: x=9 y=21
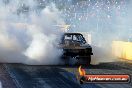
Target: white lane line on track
x=12 y=76
x=0 y=84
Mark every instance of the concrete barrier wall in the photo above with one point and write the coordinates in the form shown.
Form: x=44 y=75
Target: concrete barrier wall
x=122 y=49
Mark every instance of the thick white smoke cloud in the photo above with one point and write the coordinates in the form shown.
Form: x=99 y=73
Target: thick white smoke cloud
x=27 y=35
x=106 y=21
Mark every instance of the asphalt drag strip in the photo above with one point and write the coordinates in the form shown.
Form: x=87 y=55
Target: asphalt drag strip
x=30 y=76
x=121 y=67
x=5 y=79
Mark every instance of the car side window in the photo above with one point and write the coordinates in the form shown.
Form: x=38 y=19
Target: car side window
x=69 y=37
x=74 y=37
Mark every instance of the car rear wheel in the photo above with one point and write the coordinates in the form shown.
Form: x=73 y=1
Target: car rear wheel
x=84 y=60
x=77 y=61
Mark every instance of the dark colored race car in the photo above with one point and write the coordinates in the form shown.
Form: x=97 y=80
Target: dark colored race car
x=75 y=49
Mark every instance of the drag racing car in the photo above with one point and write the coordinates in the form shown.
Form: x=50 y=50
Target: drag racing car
x=75 y=49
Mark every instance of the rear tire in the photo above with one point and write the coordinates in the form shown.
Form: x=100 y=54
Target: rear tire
x=89 y=60
x=79 y=61
x=85 y=61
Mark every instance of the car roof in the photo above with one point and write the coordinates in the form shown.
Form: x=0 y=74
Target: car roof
x=72 y=34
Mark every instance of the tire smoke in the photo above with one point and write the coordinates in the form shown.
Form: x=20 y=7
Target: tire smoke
x=27 y=34
x=106 y=21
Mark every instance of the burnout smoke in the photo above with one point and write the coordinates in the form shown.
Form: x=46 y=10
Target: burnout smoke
x=27 y=34
x=105 y=20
